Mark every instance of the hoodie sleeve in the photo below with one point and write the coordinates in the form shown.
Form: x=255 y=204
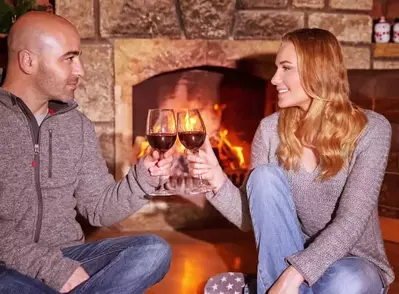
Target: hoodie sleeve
x=100 y=199
x=36 y=261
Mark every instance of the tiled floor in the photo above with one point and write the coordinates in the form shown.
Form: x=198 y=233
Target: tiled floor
x=197 y=255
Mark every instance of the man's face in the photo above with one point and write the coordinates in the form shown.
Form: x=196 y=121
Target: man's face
x=59 y=65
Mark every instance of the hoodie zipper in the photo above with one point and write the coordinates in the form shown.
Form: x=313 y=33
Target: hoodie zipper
x=35 y=132
x=50 y=154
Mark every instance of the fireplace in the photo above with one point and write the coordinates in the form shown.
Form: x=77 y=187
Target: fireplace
x=229 y=81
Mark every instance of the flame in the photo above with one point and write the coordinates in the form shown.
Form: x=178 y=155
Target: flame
x=143 y=148
x=237 y=149
x=189 y=122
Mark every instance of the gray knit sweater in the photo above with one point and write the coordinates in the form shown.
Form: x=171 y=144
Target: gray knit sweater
x=352 y=194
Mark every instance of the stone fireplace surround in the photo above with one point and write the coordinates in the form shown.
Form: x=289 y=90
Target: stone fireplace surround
x=127 y=42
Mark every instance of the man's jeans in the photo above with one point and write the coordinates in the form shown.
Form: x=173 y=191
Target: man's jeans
x=278 y=235
x=123 y=265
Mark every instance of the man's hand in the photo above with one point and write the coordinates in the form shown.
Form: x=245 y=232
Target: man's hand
x=77 y=278
x=158 y=166
x=288 y=282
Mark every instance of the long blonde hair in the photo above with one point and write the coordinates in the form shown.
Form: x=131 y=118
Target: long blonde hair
x=332 y=124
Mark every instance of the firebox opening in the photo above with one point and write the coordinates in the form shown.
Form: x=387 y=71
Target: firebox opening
x=231 y=102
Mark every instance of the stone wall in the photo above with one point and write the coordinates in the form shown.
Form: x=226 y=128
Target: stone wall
x=100 y=22
x=104 y=23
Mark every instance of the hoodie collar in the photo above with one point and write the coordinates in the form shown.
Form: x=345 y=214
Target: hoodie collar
x=10 y=100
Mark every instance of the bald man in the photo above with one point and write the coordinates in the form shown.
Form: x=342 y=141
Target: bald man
x=51 y=166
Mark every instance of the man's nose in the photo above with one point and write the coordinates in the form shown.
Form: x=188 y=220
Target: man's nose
x=79 y=70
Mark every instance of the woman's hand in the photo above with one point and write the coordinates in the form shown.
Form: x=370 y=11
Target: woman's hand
x=288 y=282
x=158 y=166
x=204 y=164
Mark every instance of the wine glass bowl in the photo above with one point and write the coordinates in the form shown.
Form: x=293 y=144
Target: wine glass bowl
x=161 y=135
x=162 y=141
x=192 y=133
x=191 y=129
x=192 y=140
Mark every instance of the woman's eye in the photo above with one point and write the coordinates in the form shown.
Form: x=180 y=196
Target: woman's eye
x=285 y=68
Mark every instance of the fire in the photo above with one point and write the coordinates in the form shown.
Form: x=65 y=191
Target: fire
x=224 y=144
x=189 y=122
x=143 y=148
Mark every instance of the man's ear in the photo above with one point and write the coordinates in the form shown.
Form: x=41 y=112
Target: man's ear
x=27 y=61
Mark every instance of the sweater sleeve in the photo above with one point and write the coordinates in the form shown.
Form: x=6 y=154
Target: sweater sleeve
x=231 y=201
x=99 y=198
x=357 y=202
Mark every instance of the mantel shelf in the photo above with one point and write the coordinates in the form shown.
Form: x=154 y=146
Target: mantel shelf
x=386 y=50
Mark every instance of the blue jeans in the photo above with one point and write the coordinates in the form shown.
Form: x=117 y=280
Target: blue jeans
x=278 y=235
x=118 y=266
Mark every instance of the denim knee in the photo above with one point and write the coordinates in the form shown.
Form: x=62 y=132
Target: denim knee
x=160 y=246
x=350 y=275
x=269 y=178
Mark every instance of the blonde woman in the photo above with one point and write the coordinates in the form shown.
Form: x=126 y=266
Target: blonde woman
x=317 y=168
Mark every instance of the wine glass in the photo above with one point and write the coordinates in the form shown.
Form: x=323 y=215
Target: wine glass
x=161 y=135
x=192 y=133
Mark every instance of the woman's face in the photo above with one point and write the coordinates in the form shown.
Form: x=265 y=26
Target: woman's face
x=287 y=81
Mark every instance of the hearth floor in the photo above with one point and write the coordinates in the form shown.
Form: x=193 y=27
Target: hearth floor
x=197 y=255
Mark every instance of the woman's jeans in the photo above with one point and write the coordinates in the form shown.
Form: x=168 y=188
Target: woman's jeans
x=123 y=265
x=278 y=235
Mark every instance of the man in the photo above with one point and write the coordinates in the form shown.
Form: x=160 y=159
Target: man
x=50 y=165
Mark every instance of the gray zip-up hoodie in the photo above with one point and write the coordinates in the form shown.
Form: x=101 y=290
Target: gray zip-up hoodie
x=46 y=174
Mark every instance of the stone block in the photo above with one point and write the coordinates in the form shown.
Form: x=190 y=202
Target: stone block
x=139 y=59
x=352 y=4
x=264 y=3
x=308 y=3
x=267 y=24
x=95 y=92
x=207 y=19
x=228 y=53
x=356 y=57
x=354 y=28
x=139 y=18
x=80 y=13
x=106 y=136
x=174 y=213
x=385 y=64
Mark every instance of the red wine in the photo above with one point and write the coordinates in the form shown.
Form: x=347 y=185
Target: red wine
x=162 y=141
x=192 y=140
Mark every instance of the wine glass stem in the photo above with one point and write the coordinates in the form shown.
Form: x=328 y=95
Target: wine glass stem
x=196 y=152
x=161 y=178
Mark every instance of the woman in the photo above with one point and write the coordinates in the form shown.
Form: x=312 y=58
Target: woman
x=317 y=168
